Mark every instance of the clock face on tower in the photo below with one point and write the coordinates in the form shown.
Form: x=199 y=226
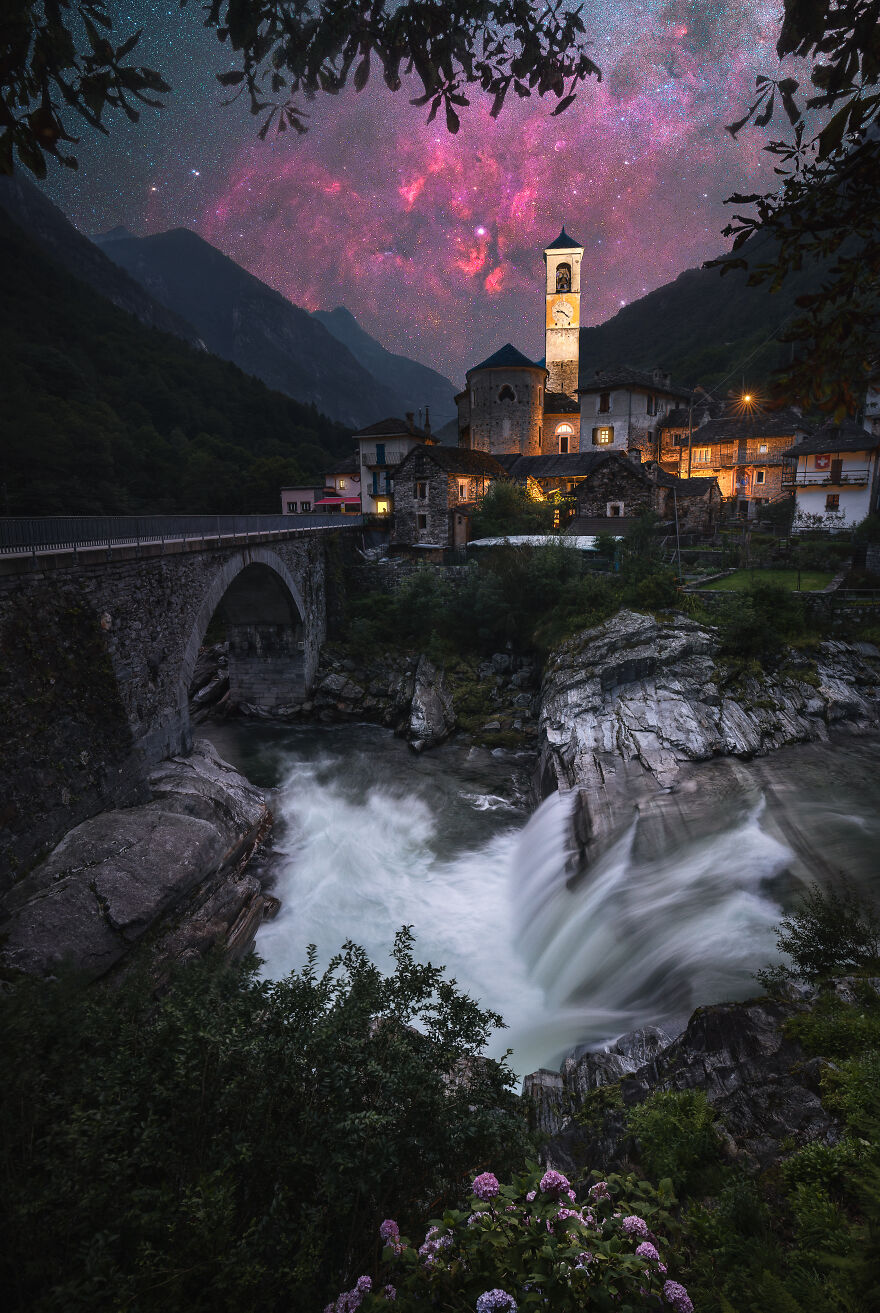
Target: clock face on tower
x=562 y=312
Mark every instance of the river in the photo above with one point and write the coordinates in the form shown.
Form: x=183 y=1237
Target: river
x=678 y=912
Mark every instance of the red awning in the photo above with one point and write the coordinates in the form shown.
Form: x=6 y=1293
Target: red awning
x=339 y=501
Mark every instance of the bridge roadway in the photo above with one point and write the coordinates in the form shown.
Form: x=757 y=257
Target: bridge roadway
x=101 y=622
x=37 y=535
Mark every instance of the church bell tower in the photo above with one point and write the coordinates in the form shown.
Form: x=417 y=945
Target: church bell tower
x=563 y=318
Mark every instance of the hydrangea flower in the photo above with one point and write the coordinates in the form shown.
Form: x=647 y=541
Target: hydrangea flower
x=531 y=1196
x=633 y=1225
x=496 y=1301
x=554 y=1181
x=389 y=1230
x=363 y=1285
x=585 y=1258
x=599 y=1190
x=647 y=1250
x=678 y=1297
x=390 y=1293
x=486 y=1186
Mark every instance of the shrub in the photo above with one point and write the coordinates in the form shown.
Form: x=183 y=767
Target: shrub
x=833 y=931
x=677 y=1136
x=531 y=1244
x=758 y=624
x=508 y=509
x=233 y=1145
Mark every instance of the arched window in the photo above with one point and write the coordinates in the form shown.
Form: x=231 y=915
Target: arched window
x=507 y=393
x=563 y=278
x=564 y=433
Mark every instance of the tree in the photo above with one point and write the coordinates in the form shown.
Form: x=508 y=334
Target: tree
x=827 y=205
x=58 y=61
x=507 y=509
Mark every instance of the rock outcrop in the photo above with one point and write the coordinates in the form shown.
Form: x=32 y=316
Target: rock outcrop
x=627 y=707
x=431 y=714
x=763 y=1086
x=125 y=872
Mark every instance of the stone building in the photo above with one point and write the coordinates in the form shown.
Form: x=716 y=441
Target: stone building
x=743 y=449
x=622 y=409
x=502 y=407
x=430 y=485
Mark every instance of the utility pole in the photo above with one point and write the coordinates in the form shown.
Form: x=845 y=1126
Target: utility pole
x=677 y=538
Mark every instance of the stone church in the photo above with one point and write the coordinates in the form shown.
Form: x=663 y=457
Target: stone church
x=515 y=406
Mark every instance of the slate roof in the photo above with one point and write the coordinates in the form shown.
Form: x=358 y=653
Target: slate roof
x=560 y=403
x=740 y=428
x=564 y=243
x=348 y=466
x=458 y=460
x=680 y=416
x=624 y=376
x=508 y=357
x=848 y=436
x=390 y=427
x=554 y=465
x=683 y=487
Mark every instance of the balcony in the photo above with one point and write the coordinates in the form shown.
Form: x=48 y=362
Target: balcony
x=850 y=477
x=380 y=458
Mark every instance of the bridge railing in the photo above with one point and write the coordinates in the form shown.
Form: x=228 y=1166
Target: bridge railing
x=26 y=534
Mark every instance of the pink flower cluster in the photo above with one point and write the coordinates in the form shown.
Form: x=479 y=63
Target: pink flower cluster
x=633 y=1225
x=678 y=1297
x=486 y=1186
x=350 y=1300
x=599 y=1191
x=389 y=1230
x=554 y=1183
x=647 y=1250
x=434 y=1243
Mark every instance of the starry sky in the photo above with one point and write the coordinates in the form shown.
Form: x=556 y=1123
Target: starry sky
x=434 y=241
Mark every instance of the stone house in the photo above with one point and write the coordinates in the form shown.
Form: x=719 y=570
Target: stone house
x=430 y=485
x=622 y=409
x=744 y=451
x=835 y=474
x=501 y=409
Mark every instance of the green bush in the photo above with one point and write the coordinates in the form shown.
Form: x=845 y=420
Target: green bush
x=677 y=1137
x=831 y=932
x=233 y=1145
x=509 y=509
x=758 y=624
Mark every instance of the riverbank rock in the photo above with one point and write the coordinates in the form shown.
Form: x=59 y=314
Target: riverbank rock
x=117 y=876
x=431 y=716
x=627 y=707
x=760 y=1082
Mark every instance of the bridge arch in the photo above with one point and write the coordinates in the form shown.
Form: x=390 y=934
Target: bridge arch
x=270 y=661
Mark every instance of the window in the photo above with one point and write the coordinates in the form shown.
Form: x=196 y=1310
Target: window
x=380 y=453
x=462 y=492
x=340 y=483
x=507 y=393
x=760 y=476
x=564 y=433
x=604 y=403
x=762 y=448
x=702 y=455
x=602 y=437
x=291 y=507
x=420 y=490
x=614 y=508
x=421 y=522
x=563 y=278
x=305 y=505
x=652 y=405
x=832 y=501
x=382 y=507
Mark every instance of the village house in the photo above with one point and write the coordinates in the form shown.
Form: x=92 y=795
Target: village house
x=435 y=490
x=300 y=501
x=834 y=474
x=744 y=450
x=622 y=409
x=382 y=447
x=342 y=489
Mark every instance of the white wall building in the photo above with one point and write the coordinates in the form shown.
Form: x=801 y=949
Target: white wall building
x=835 y=475
x=300 y=501
x=381 y=448
x=622 y=409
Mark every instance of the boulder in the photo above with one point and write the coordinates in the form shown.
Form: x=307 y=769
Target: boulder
x=115 y=876
x=431 y=714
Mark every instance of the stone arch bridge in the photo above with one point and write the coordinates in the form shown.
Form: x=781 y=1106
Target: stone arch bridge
x=97 y=650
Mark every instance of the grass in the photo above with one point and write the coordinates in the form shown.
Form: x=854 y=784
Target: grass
x=741 y=580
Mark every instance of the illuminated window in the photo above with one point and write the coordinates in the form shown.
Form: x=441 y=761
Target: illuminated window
x=382 y=507
x=604 y=403
x=462 y=491
x=832 y=501
x=702 y=455
x=507 y=393
x=603 y=437
x=762 y=448
x=341 y=484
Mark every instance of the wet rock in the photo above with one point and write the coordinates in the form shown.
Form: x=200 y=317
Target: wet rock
x=431 y=715
x=112 y=878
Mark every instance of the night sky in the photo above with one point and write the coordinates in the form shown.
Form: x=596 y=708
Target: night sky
x=433 y=241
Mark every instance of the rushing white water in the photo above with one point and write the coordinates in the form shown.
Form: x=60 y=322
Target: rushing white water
x=566 y=961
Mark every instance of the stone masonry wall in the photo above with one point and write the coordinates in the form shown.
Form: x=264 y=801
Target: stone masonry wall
x=97 y=659
x=613 y=482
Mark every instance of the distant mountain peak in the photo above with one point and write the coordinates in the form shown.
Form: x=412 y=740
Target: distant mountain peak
x=117 y=234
